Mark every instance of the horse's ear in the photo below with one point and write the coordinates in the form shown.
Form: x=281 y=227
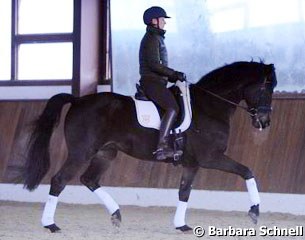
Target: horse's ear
x=270 y=71
x=269 y=68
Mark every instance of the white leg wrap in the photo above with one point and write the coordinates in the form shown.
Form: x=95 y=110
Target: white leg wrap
x=108 y=201
x=49 y=211
x=253 y=192
x=179 y=219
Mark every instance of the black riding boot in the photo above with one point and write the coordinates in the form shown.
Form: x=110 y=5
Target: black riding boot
x=164 y=150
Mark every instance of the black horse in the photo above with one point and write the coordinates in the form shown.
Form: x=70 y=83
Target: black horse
x=97 y=126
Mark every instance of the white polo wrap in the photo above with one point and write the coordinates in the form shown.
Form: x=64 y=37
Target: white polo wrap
x=179 y=219
x=253 y=192
x=108 y=201
x=49 y=211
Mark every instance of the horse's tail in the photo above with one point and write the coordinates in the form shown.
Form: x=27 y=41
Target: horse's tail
x=38 y=158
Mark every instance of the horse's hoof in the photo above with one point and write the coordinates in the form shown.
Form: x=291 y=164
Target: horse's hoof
x=53 y=228
x=116 y=218
x=184 y=228
x=254 y=213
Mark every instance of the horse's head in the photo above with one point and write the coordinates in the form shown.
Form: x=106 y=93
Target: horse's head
x=258 y=97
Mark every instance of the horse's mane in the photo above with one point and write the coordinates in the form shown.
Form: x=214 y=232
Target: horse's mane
x=230 y=73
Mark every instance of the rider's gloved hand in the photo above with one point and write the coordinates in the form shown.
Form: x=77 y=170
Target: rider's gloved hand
x=178 y=76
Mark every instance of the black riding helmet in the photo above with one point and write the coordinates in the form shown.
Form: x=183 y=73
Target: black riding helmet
x=153 y=12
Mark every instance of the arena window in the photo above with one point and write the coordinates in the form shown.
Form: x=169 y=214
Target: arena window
x=204 y=35
x=37 y=42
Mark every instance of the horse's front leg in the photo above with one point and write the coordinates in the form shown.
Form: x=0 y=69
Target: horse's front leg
x=184 y=194
x=224 y=163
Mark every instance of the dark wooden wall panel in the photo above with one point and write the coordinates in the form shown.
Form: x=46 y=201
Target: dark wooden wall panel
x=276 y=156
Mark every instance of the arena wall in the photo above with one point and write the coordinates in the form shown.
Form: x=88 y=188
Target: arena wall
x=276 y=155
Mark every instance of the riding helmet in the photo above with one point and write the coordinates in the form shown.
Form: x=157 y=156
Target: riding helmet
x=153 y=12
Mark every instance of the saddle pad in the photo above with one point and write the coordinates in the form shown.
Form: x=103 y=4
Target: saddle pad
x=148 y=115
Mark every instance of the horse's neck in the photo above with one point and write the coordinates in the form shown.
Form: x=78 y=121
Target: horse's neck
x=212 y=106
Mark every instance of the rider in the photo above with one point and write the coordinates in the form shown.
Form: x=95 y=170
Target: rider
x=155 y=75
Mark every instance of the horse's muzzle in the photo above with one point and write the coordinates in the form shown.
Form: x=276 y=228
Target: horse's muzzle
x=261 y=120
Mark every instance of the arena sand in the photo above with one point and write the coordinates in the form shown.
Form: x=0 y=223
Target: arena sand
x=92 y=222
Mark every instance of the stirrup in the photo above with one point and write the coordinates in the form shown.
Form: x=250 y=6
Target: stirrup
x=162 y=154
x=177 y=155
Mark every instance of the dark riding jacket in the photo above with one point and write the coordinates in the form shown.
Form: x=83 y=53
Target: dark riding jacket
x=153 y=56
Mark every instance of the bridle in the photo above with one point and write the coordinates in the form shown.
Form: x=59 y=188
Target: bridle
x=259 y=106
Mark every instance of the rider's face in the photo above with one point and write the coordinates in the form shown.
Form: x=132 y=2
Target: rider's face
x=162 y=22
x=159 y=23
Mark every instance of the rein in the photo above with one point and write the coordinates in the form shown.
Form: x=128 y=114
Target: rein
x=249 y=111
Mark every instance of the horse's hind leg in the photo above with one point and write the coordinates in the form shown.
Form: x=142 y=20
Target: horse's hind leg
x=99 y=164
x=58 y=183
x=227 y=164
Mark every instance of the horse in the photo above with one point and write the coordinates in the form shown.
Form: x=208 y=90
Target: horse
x=99 y=125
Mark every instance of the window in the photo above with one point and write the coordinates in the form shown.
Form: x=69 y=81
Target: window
x=36 y=42
x=203 y=35
x=5 y=39
x=230 y=15
x=45 y=16
x=45 y=61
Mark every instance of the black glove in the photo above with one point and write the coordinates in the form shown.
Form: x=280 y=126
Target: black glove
x=178 y=76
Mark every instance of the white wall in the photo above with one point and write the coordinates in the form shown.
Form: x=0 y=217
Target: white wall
x=199 y=199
